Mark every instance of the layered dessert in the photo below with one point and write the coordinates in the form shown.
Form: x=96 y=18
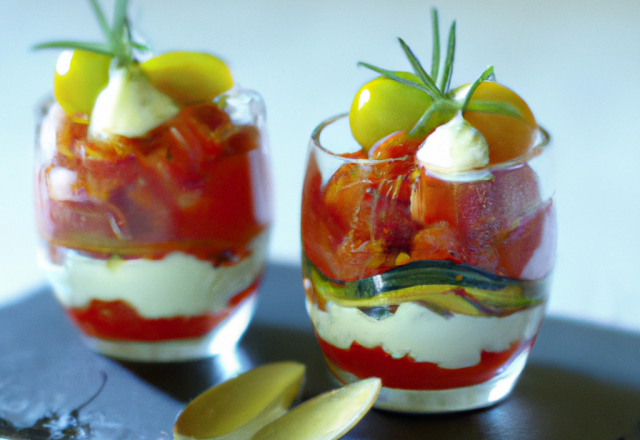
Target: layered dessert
x=152 y=198
x=428 y=248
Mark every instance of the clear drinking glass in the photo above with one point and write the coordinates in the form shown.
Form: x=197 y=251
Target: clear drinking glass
x=155 y=246
x=436 y=286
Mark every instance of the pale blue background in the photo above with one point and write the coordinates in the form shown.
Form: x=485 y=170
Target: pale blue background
x=576 y=62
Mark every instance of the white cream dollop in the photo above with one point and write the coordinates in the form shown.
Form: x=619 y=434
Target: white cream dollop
x=454 y=147
x=129 y=106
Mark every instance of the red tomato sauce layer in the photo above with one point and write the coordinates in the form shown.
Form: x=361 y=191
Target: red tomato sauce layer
x=117 y=320
x=407 y=374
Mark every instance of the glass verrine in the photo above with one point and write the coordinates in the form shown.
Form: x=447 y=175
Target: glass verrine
x=438 y=286
x=155 y=245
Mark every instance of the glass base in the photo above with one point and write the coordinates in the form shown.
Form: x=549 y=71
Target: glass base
x=444 y=401
x=222 y=339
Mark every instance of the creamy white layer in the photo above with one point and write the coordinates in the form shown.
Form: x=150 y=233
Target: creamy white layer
x=454 y=342
x=178 y=285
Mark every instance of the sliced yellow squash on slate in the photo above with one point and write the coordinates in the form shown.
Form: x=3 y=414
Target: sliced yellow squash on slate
x=239 y=407
x=325 y=417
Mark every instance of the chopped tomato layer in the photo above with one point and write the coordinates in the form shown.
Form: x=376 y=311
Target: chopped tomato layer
x=369 y=217
x=407 y=374
x=196 y=184
x=118 y=321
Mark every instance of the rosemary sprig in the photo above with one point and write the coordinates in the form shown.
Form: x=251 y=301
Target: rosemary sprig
x=392 y=75
x=448 y=63
x=431 y=84
x=445 y=105
x=435 y=57
x=119 y=45
x=104 y=25
x=486 y=74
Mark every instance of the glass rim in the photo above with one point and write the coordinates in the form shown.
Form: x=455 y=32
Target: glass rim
x=542 y=142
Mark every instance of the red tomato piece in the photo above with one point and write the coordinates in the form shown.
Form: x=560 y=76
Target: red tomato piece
x=364 y=212
x=439 y=241
x=395 y=146
x=489 y=210
x=497 y=222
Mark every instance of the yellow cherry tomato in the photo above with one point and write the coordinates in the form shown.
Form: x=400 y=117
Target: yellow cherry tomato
x=384 y=106
x=188 y=77
x=80 y=76
x=508 y=138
